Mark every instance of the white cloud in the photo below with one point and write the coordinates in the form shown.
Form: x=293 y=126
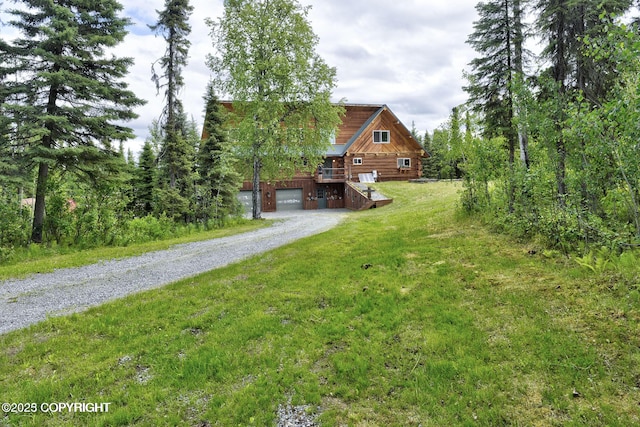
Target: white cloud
x=408 y=54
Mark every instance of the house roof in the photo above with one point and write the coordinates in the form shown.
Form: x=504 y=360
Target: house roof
x=366 y=114
x=341 y=149
x=376 y=110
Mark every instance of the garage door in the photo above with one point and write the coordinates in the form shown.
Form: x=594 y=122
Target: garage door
x=246 y=199
x=289 y=199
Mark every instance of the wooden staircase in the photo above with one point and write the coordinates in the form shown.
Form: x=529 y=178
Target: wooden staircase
x=360 y=196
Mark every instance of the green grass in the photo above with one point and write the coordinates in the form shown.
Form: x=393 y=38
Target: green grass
x=40 y=259
x=405 y=315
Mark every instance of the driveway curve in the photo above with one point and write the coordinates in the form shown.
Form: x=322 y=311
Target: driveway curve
x=27 y=301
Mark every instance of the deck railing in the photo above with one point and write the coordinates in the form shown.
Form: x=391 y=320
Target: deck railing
x=331 y=175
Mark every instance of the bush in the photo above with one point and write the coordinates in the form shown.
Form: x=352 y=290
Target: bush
x=148 y=228
x=58 y=221
x=15 y=226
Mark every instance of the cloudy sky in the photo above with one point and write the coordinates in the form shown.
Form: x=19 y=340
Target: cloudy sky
x=408 y=54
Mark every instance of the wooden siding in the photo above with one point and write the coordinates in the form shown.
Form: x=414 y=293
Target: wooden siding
x=355 y=117
x=356 y=200
x=386 y=166
x=334 y=192
x=401 y=140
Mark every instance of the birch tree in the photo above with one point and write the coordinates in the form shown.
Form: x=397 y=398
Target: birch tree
x=265 y=61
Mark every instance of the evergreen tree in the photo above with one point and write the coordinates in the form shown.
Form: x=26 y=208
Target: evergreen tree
x=266 y=62
x=145 y=181
x=176 y=156
x=455 y=152
x=439 y=153
x=429 y=169
x=415 y=134
x=498 y=38
x=519 y=89
x=63 y=89
x=218 y=179
x=173 y=25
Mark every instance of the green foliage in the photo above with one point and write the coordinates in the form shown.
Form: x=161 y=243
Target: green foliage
x=596 y=261
x=265 y=60
x=175 y=195
x=429 y=164
x=14 y=225
x=59 y=219
x=579 y=184
x=498 y=38
x=62 y=92
x=438 y=166
x=144 y=181
x=148 y=228
x=173 y=26
x=171 y=203
x=218 y=180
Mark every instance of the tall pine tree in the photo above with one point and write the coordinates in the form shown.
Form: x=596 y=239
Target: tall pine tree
x=175 y=159
x=64 y=90
x=218 y=178
x=498 y=38
x=144 y=181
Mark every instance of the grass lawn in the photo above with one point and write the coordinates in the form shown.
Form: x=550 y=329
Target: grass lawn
x=405 y=315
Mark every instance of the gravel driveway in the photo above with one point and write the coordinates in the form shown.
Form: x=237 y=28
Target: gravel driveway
x=27 y=301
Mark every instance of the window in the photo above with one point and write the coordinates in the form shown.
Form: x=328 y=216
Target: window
x=404 y=163
x=381 y=136
x=357 y=160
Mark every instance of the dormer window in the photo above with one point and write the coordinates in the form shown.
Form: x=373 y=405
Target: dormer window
x=381 y=136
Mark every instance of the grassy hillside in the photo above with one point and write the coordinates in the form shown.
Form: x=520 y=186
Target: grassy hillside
x=402 y=316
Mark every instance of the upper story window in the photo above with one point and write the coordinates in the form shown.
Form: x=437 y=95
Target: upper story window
x=381 y=136
x=357 y=160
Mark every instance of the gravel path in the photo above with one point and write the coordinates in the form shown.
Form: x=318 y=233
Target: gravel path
x=27 y=301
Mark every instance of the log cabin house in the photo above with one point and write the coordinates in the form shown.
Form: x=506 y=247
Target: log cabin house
x=370 y=145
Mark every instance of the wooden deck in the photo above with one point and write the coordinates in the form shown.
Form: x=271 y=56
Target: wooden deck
x=329 y=175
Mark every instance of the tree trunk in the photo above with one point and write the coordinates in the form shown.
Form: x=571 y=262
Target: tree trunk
x=39 y=211
x=511 y=132
x=560 y=67
x=561 y=170
x=255 y=194
x=518 y=63
x=43 y=168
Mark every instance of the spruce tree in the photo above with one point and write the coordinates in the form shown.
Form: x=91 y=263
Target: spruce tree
x=145 y=181
x=498 y=38
x=175 y=158
x=218 y=179
x=439 y=152
x=429 y=169
x=64 y=90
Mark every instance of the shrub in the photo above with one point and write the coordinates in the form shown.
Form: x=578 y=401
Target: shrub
x=148 y=228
